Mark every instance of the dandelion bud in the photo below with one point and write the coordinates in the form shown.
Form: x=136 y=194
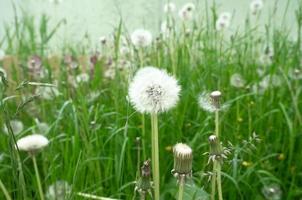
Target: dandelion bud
x=183 y=158
x=144 y=183
x=215 y=97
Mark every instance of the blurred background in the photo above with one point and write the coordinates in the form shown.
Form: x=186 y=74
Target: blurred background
x=98 y=17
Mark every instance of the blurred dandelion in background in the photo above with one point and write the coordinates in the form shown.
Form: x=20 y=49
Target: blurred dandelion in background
x=16 y=125
x=186 y=12
x=237 y=81
x=169 y=8
x=256 y=6
x=223 y=21
x=60 y=190
x=141 y=38
x=272 y=191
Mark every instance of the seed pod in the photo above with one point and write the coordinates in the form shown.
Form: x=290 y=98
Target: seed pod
x=183 y=158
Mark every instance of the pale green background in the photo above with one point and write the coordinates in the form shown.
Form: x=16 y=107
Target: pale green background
x=98 y=17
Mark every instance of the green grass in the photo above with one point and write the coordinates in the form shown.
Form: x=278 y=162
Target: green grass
x=93 y=143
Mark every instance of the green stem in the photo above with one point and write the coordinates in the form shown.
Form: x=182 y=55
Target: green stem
x=213 y=191
x=155 y=155
x=217 y=123
x=5 y=192
x=143 y=136
x=181 y=187
x=219 y=181
x=38 y=178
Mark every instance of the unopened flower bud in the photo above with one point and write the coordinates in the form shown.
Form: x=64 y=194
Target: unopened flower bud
x=183 y=158
x=144 y=183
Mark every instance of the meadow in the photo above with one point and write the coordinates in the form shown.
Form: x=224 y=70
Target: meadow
x=78 y=97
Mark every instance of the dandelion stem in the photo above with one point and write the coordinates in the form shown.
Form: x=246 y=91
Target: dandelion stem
x=155 y=155
x=181 y=187
x=5 y=192
x=38 y=178
x=143 y=136
x=213 y=191
x=219 y=181
x=217 y=123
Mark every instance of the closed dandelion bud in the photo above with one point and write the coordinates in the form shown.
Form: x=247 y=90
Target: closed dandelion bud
x=215 y=97
x=183 y=158
x=144 y=183
x=216 y=150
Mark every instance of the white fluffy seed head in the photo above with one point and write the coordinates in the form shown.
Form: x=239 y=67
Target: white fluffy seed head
x=32 y=143
x=16 y=125
x=169 y=7
x=141 y=38
x=60 y=190
x=223 y=21
x=186 y=12
x=256 y=6
x=153 y=90
x=237 y=81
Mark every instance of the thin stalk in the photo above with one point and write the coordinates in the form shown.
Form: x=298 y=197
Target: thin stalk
x=155 y=155
x=143 y=136
x=219 y=181
x=181 y=187
x=142 y=195
x=4 y=190
x=217 y=123
x=38 y=178
x=213 y=191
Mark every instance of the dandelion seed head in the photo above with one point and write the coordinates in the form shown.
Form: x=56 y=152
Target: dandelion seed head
x=141 y=38
x=32 y=143
x=58 y=190
x=295 y=74
x=47 y=93
x=82 y=78
x=169 y=7
x=256 y=6
x=237 y=81
x=223 y=21
x=186 y=12
x=16 y=125
x=153 y=90
x=205 y=103
x=272 y=191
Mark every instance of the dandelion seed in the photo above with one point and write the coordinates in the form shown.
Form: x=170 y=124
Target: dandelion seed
x=153 y=90
x=237 y=81
x=186 y=12
x=141 y=38
x=256 y=6
x=60 y=190
x=47 y=93
x=16 y=125
x=82 y=78
x=169 y=7
x=32 y=143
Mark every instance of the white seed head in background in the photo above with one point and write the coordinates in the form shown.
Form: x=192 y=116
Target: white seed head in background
x=186 y=12
x=237 y=81
x=256 y=6
x=141 y=38
x=47 y=93
x=17 y=127
x=32 y=143
x=153 y=90
x=169 y=8
x=60 y=190
x=223 y=21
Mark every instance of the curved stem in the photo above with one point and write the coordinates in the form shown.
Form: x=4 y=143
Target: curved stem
x=5 y=192
x=155 y=155
x=181 y=187
x=38 y=178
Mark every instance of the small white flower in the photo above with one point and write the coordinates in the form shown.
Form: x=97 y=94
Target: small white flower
x=186 y=12
x=32 y=143
x=256 y=6
x=17 y=127
x=223 y=21
x=237 y=81
x=82 y=78
x=59 y=190
x=141 y=38
x=47 y=93
x=2 y=54
x=153 y=90
x=169 y=7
